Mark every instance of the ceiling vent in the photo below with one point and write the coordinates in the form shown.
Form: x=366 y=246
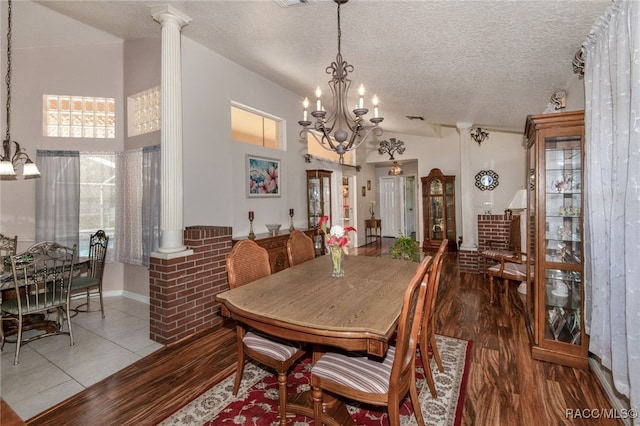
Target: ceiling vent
x=287 y=3
x=415 y=117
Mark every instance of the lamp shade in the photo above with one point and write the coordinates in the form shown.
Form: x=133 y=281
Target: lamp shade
x=519 y=200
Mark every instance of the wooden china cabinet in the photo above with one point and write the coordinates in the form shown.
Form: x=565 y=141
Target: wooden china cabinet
x=555 y=293
x=438 y=210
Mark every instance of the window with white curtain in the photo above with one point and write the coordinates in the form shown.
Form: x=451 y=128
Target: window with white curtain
x=80 y=193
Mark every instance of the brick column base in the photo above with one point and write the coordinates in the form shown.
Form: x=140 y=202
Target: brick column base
x=468 y=261
x=182 y=290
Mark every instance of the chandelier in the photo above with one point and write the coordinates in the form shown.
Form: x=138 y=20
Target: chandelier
x=396 y=170
x=8 y=162
x=479 y=135
x=339 y=130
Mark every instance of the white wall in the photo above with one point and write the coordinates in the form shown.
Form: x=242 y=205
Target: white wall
x=94 y=70
x=214 y=165
x=504 y=153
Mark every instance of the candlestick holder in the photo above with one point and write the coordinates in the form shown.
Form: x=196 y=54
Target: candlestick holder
x=252 y=236
x=291 y=228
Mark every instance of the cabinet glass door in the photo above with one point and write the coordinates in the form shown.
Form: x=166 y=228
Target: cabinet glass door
x=450 y=205
x=563 y=239
x=315 y=207
x=437 y=209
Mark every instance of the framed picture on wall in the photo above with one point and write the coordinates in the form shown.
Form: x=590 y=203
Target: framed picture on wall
x=369 y=185
x=263 y=177
x=364 y=191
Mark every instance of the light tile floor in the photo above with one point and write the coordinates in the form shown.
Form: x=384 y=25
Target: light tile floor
x=51 y=370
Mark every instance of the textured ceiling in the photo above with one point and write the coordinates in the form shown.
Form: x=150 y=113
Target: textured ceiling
x=484 y=62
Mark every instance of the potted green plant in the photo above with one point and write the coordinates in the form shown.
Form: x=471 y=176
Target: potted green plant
x=405 y=248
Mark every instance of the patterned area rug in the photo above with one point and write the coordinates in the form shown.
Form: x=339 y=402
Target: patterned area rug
x=257 y=400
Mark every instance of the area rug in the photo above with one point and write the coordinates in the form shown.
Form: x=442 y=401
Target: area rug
x=257 y=400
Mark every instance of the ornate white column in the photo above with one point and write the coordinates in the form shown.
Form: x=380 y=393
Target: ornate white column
x=469 y=224
x=172 y=227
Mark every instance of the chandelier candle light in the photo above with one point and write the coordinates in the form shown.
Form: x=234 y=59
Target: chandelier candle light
x=339 y=130
x=336 y=240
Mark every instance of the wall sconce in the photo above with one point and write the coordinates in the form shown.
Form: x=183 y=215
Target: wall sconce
x=479 y=135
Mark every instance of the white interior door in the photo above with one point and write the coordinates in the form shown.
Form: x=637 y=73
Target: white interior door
x=348 y=201
x=389 y=207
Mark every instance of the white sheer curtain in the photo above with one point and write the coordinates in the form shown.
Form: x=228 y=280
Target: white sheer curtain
x=128 y=212
x=58 y=197
x=612 y=194
x=138 y=205
x=151 y=196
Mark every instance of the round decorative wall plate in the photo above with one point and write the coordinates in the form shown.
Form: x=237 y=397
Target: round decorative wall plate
x=487 y=180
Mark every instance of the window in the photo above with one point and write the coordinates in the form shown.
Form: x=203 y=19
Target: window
x=255 y=127
x=97 y=198
x=118 y=192
x=316 y=150
x=143 y=112
x=79 y=117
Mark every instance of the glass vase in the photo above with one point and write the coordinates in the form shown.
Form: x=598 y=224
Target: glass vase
x=337 y=257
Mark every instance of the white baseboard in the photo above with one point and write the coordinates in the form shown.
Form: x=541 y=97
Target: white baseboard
x=618 y=402
x=136 y=296
x=115 y=293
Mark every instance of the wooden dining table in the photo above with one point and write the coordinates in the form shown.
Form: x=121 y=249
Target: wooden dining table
x=357 y=312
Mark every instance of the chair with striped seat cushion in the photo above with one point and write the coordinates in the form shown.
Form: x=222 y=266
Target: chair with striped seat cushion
x=385 y=381
x=247 y=262
x=508 y=269
x=427 y=340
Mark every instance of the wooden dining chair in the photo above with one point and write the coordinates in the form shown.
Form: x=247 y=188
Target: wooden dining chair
x=508 y=248
x=42 y=278
x=92 y=282
x=427 y=341
x=247 y=262
x=300 y=248
x=386 y=381
x=508 y=269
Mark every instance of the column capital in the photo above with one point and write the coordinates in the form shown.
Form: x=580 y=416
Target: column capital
x=463 y=126
x=167 y=13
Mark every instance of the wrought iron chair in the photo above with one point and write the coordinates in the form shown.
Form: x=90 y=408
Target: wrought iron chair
x=8 y=246
x=300 y=248
x=383 y=381
x=427 y=330
x=247 y=262
x=98 y=244
x=42 y=278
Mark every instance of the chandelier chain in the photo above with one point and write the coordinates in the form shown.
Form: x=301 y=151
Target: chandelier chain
x=8 y=77
x=339 y=29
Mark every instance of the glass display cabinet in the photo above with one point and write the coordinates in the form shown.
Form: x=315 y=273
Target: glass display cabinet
x=555 y=151
x=318 y=196
x=438 y=210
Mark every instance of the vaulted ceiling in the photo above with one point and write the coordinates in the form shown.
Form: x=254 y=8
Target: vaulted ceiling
x=484 y=62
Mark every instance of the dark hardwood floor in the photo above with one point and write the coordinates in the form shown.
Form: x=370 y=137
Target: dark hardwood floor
x=505 y=386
